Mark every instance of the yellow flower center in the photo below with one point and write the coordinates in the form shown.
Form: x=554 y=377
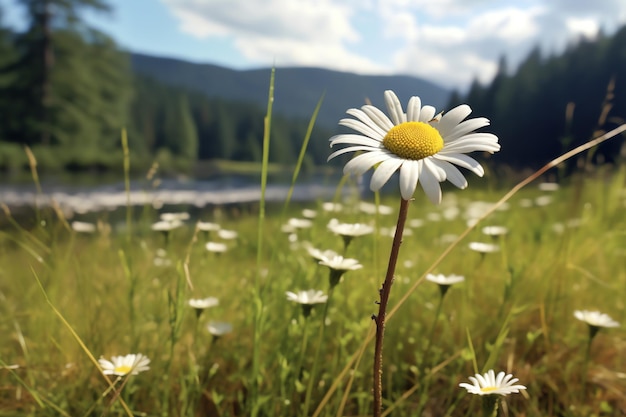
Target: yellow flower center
x=123 y=370
x=413 y=140
x=488 y=389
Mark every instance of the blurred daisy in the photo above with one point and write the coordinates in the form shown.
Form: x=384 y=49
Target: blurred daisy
x=332 y=207
x=495 y=231
x=227 y=234
x=208 y=226
x=490 y=384
x=445 y=281
x=124 y=365
x=318 y=254
x=483 y=248
x=201 y=304
x=369 y=208
x=219 y=328
x=216 y=247
x=423 y=146
x=300 y=223
x=174 y=217
x=349 y=231
x=307 y=297
x=309 y=214
x=595 y=318
x=166 y=226
x=338 y=265
x=83 y=227
x=549 y=186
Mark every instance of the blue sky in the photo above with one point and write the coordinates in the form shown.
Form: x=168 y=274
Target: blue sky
x=449 y=42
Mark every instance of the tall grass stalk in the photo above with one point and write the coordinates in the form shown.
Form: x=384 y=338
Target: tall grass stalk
x=129 y=208
x=255 y=378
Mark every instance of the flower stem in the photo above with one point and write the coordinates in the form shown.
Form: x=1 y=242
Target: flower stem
x=382 y=308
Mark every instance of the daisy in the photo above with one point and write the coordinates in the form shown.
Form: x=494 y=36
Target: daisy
x=349 y=231
x=483 y=248
x=338 y=265
x=495 y=231
x=309 y=214
x=173 y=217
x=300 y=223
x=227 y=234
x=490 y=384
x=445 y=281
x=307 y=297
x=423 y=146
x=203 y=303
x=166 y=226
x=216 y=247
x=124 y=365
x=595 y=318
x=549 y=186
x=208 y=226
x=318 y=254
x=218 y=328
x=83 y=227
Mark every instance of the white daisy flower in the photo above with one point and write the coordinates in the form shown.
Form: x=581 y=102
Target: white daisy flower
x=332 y=207
x=490 y=384
x=166 y=226
x=495 y=231
x=218 y=328
x=208 y=226
x=307 y=297
x=595 y=318
x=349 y=229
x=124 y=365
x=339 y=263
x=216 y=247
x=203 y=303
x=446 y=280
x=173 y=217
x=300 y=223
x=370 y=208
x=482 y=247
x=83 y=227
x=422 y=146
x=309 y=214
x=319 y=254
x=227 y=234
x=549 y=186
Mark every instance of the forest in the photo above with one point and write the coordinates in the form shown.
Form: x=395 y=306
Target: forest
x=67 y=91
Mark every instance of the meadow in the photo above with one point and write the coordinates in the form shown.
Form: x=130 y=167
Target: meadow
x=71 y=295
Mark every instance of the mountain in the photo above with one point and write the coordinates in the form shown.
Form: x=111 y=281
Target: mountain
x=297 y=90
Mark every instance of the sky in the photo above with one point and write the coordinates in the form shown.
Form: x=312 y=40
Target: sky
x=449 y=42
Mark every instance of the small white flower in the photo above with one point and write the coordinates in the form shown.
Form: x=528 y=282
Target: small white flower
x=300 y=223
x=595 y=318
x=173 y=217
x=318 y=254
x=339 y=263
x=482 y=247
x=202 y=303
x=208 y=226
x=543 y=200
x=369 y=208
x=422 y=146
x=349 y=229
x=166 y=226
x=216 y=247
x=549 y=186
x=227 y=234
x=124 y=365
x=83 y=227
x=218 y=328
x=490 y=384
x=309 y=214
x=332 y=207
x=495 y=230
x=447 y=280
x=307 y=297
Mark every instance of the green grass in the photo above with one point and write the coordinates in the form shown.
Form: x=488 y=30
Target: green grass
x=514 y=312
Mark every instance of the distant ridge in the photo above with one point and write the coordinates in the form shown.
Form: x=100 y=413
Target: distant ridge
x=297 y=90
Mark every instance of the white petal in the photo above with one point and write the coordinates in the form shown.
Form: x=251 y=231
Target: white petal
x=361 y=163
x=474 y=142
x=430 y=185
x=355 y=140
x=427 y=114
x=413 y=109
x=409 y=176
x=394 y=107
x=452 y=118
x=378 y=117
x=462 y=160
x=360 y=127
x=384 y=171
x=361 y=116
x=452 y=173
x=438 y=172
x=465 y=128
x=348 y=149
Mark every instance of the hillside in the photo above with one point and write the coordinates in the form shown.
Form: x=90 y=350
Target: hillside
x=297 y=89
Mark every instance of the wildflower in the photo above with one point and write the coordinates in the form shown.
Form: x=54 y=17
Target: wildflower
x=300 y=223
x=309 y=214
x=83 y=227
x=319 y=255
x=338 y=265
x=216 y=247
x=490 y=384
x=166 y=226
x=484 y=248
x=202 y=303
x=421 y=145
x=174 y=217
x=227 y=234
x=549 y=186
x=495 y=231
x=445 y=282
x=595 y=320
x=208 y=226
x=349 y=231
x=369 y=208
x=124 y=365
x=219 y=328
x=307 y=299
x=330 y=206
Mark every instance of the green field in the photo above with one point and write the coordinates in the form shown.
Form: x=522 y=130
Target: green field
x=69 y=298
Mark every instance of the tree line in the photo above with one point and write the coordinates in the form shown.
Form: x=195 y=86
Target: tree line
x=67 y=91
x=551 y=104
